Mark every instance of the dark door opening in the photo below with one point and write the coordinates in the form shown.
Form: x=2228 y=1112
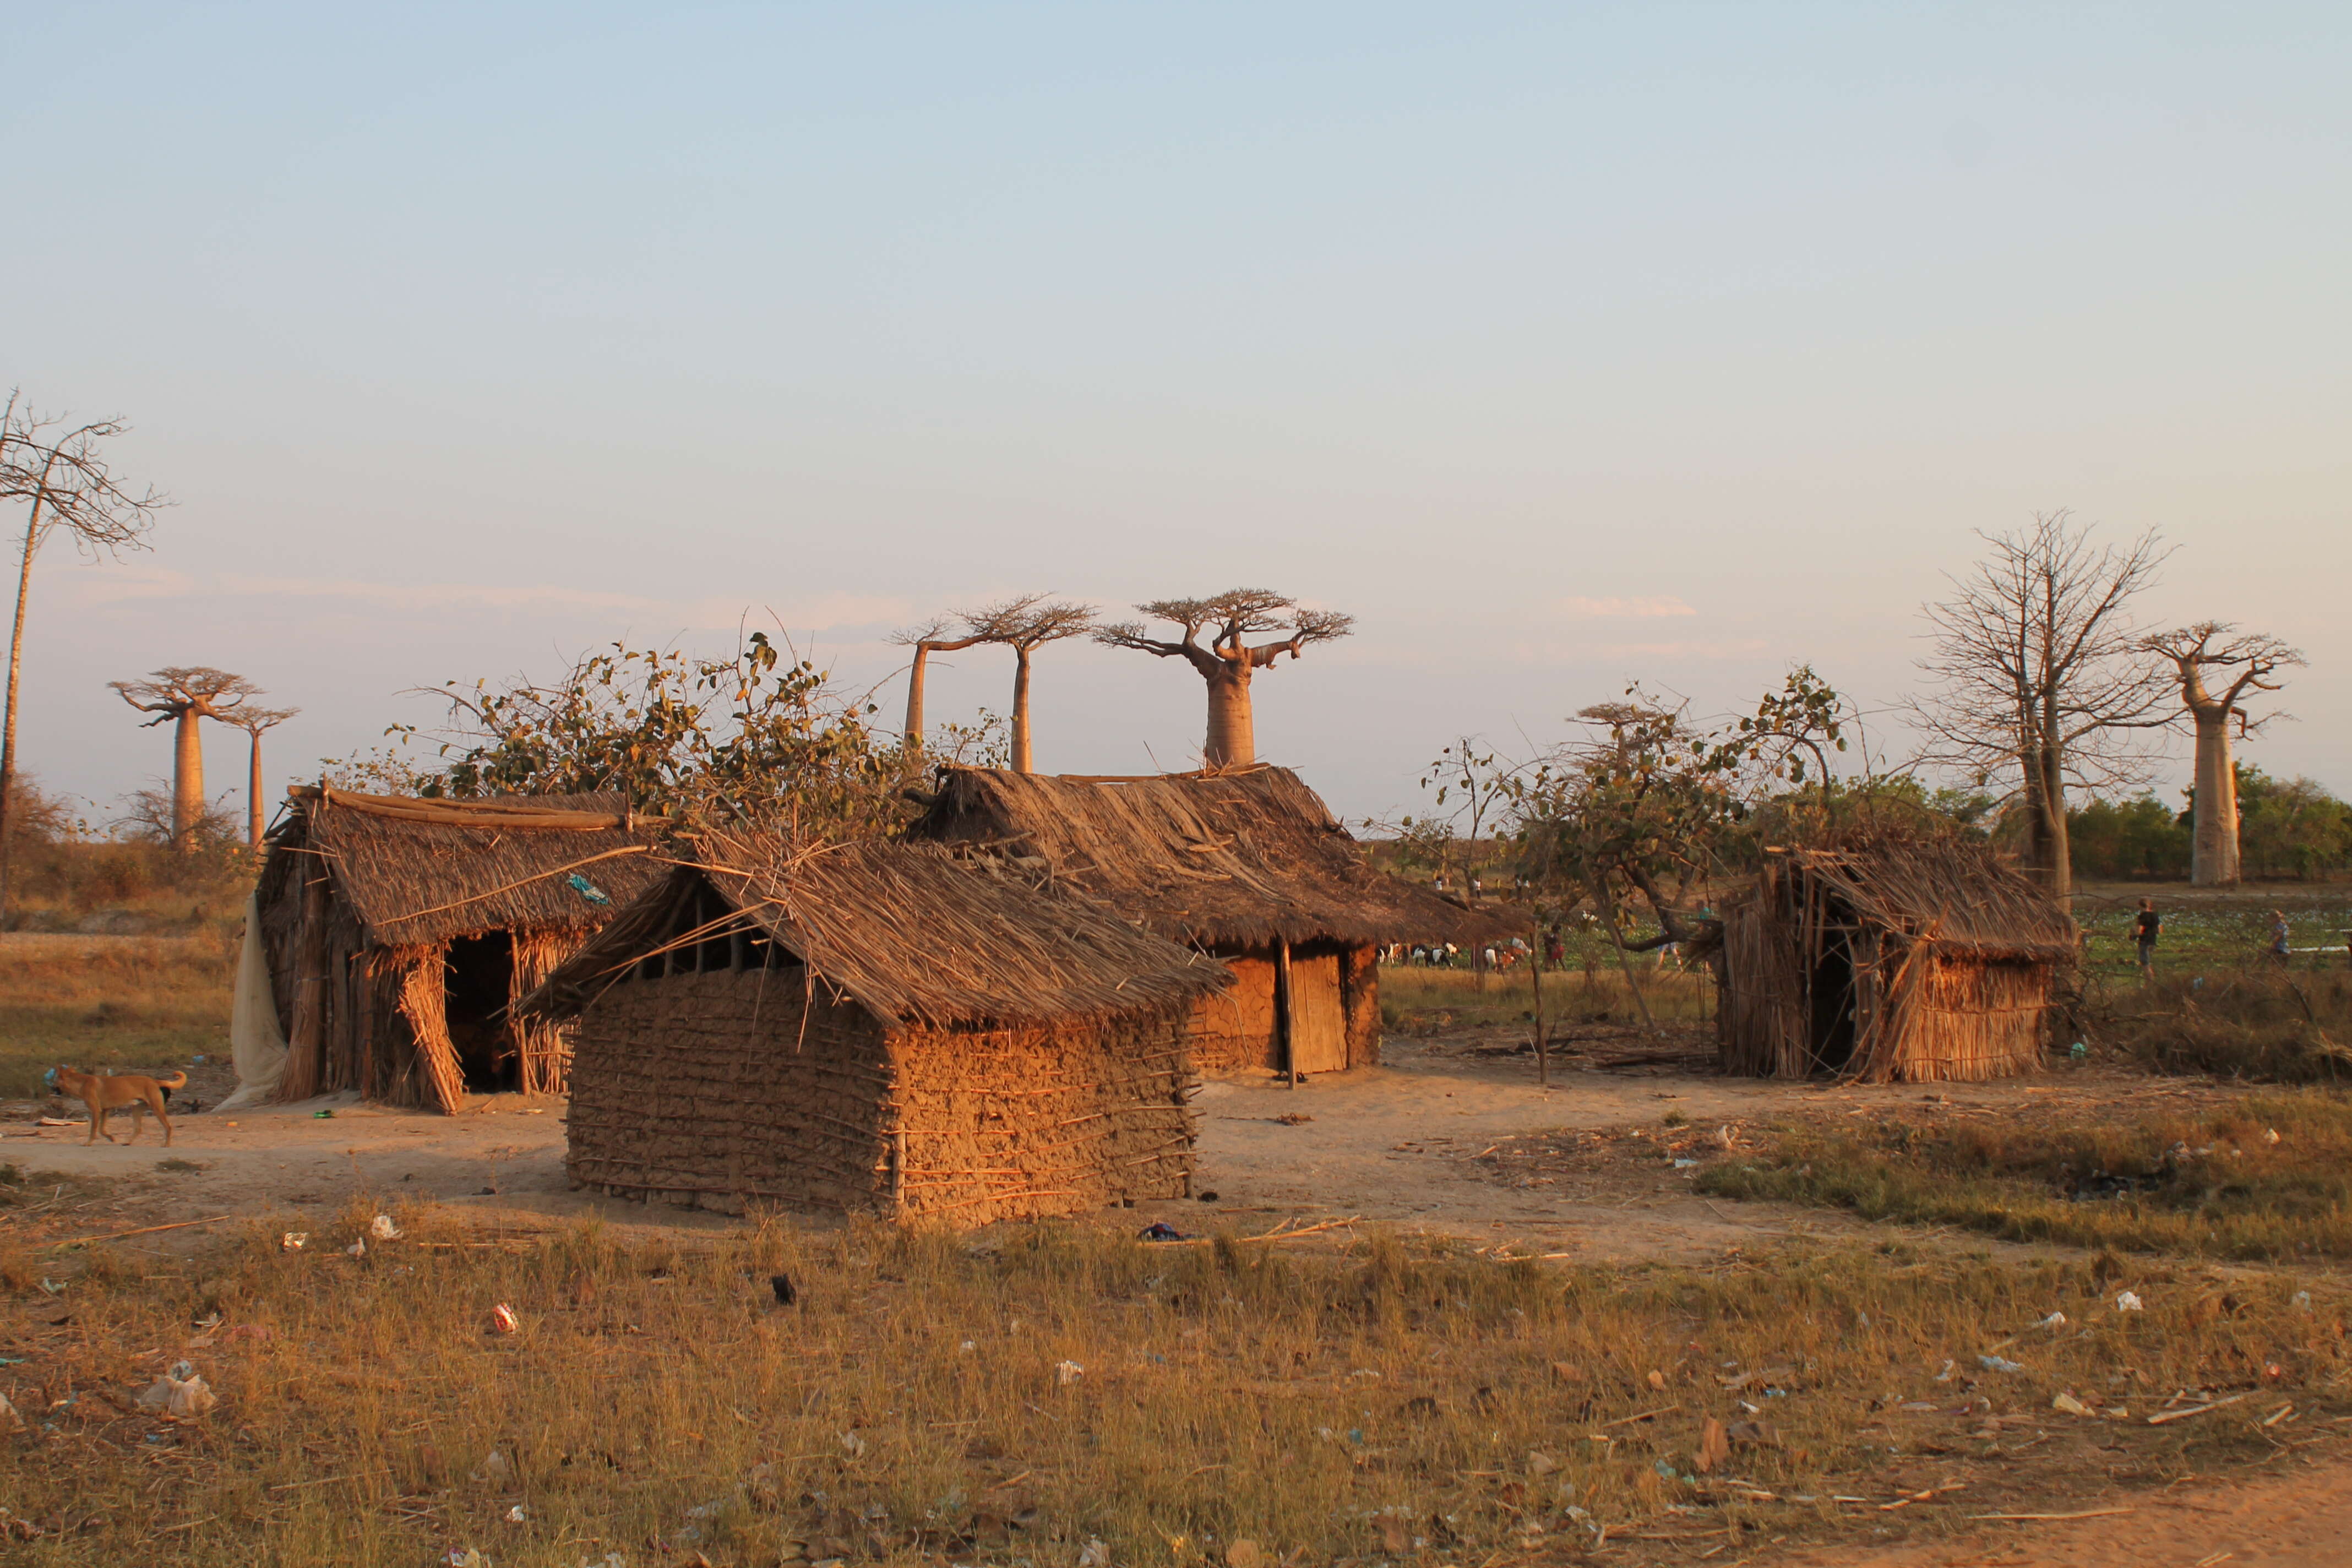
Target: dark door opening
x=1832 y=989
x=480 y=977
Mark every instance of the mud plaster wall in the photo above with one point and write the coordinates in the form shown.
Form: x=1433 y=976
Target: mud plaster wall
x=723 y=1089
x=1047 y=1120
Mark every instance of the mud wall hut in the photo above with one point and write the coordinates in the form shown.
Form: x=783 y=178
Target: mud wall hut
x=1245 y=864
x=397 y=931
x=1889 y=959
x=881 y=1028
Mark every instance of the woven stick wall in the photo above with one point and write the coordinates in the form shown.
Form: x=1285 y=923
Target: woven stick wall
x=1017 y=1124
x=542 y=1047
x=721 y=1089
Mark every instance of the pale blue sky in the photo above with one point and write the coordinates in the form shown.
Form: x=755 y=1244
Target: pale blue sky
x=472 y=336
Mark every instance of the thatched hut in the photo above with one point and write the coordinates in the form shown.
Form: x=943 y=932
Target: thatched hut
x=397 y=933
x=1247 y=864
x=1889 y=959
x=877 y=1027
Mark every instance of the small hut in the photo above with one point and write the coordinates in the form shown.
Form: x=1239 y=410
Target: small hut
x=1245 y=864
x=1889 y=959
x=396 y=931
x=877 y=1027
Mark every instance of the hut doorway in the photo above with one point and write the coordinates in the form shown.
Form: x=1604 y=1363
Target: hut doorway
x=479 y=974
x=1833 y=999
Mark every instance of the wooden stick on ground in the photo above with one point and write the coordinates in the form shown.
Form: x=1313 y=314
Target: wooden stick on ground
x=144 y=1230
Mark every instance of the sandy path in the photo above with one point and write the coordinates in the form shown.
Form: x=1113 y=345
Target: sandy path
x=1393 y=1145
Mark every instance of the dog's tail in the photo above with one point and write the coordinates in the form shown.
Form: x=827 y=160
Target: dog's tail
x=177 y=1080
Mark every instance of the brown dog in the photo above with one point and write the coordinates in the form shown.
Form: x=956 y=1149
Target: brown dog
x=104 y=1092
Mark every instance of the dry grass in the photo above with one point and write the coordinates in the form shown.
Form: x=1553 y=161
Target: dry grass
x=1417 y=1000
x=106 y=1002
x=658 y=1403
x=2211 y=1185
x=2269 y=1026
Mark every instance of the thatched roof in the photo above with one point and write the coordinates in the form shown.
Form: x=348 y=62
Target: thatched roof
x=909 y=932
x=1952 y=891
x=1237 y=858
x=422 y=871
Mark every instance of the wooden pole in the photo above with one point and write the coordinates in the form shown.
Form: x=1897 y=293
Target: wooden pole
x=1617 y=940
x=306 y=1038
x=1535 y=984
x=1284 y=1039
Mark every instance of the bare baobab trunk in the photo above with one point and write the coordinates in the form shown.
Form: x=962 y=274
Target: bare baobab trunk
x=252 y=794
x=16 y=673
x=1021 y=711
x=187 y=779
x=915 y=673
x=1233 y=731
x=2213 y=845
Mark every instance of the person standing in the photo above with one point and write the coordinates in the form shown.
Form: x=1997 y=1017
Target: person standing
x=2146 y=927
x=2278 y=938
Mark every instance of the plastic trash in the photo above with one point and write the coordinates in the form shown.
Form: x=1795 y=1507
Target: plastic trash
x=294 y=1240
x=383 y=1230
x=179 y=1398
x=2300 y=1300
x=1068 y=1372
x=1687 y=1164
x=587 y=890
x=1996 y=1364
x=1945 y=1374
x=2054 y=1321
x=1094 y=1554
x=357 y=1249
x=2071 y=1406
x=515 y=1515
x=466 y=1557
x=853 y=1444
x=2078 y=1052
x=2271 y=1135
x=51 y=1285
x=496 y=1468
x=2127 y=1301
x=323 y=1116
x=502 y=1319
x=967 y=1348
x=1159 y=1230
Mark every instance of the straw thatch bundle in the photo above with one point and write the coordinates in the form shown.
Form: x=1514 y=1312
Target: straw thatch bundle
x=377 y=911
x=1239 y=859
x=876 y=1026
x=1246 y=863
x=1889 y=957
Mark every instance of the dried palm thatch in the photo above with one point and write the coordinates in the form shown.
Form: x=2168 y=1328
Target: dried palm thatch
x=363 y=897
x=908 y=931
x=1237 y=859
x=876 y=1026
x=1887 y=957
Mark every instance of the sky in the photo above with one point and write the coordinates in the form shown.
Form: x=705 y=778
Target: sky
x=1563 y=346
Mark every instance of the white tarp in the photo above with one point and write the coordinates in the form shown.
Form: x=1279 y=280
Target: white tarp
x=256 y=1042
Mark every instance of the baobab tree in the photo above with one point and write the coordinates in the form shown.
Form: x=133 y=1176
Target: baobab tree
x=2042 y=671
x=61 y=472
x=927 y=639
x=254 y=722
x=1228 y=660
x=2247 y=661
x=1024 y=625
x=183 y=696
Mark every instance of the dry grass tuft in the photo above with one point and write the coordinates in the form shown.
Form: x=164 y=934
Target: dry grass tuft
x=2214 y=1185
x=2270 y=1027
x=1015 y=1399
x=108 y=1001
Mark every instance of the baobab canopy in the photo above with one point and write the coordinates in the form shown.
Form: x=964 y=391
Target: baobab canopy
x=1228 y=660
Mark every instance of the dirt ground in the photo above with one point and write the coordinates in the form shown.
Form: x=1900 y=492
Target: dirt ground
x=1443 y=1140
